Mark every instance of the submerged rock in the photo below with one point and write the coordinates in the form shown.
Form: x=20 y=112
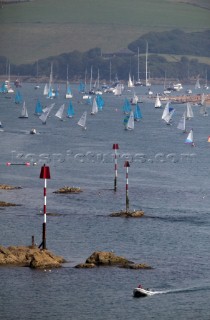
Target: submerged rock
x=29 y=256
x=128 y=214
x=7 y=204
x=104 y=258
x=69 y=190
x=8 y=187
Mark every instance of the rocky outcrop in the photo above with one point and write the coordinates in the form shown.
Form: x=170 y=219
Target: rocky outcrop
x=7 y=204
x=69 y=190
x=31 y=256
x=128 y=214
x=8 y=187
x=104 y=258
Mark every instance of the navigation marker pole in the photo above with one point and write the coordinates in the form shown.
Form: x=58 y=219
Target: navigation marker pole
x=127 y=165
x=44 y=174
x=115 y=148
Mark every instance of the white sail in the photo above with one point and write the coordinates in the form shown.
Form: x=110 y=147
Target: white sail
x=134 y=99
x=46 y=113
x=190 y=137
x=165 y=111
x=130 y=124
x=59 y=113
x=94 y=107
x=158 y=103
x=167 y=118
x=189 y=113
x=130 y=82
x=197 y=84
x=182 y=123
x=118 y=89
x=203 y=108
x=45 y=92
x=203 y=99
x=82 y=120
x=24 y=112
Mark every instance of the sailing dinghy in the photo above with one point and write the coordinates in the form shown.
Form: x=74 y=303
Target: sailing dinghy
x=82 y=120
x=189 y=114
x=182 y=123
x=168 y=113
x=70 y=110
x=24 y=112
x=45 y=114
x=94 y=107
x=190 y=139
x=59 y=113
x=158 y=103
x=130 y=124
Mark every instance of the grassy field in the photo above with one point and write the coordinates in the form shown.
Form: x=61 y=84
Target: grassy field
x=43 y=28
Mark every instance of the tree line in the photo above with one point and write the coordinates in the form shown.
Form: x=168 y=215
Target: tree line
x=120 y=64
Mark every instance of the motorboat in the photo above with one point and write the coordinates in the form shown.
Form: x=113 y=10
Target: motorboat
x=33 y=131
x=141 y=292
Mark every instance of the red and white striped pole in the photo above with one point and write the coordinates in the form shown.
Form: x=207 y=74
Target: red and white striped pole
x=115 y=148
x=44 y=174
x=127 y=165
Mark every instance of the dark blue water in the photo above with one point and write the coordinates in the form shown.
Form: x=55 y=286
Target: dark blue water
x=168 y=179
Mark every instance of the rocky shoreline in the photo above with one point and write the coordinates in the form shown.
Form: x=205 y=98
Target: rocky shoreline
x=29 y=256
x=36 y=258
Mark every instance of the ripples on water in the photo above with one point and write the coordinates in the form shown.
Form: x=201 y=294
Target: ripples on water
x=173 y=237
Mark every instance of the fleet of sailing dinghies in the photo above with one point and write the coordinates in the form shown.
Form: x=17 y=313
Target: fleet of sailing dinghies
x=93 y=99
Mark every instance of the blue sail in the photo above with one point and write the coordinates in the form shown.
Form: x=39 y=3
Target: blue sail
x=56 y=93
x=18 y=97
x=100 y=101
x=38 y=108
x=50 y=93
x=81 y=87
x=126 y=106
x=125 y=121
x=89 y=100
x=3 y=88
x=70 y=110
x=68 y=90
x=137 y=113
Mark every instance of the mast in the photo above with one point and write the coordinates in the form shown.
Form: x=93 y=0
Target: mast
x=110 y=72
x=146 y=63
x=138 y=79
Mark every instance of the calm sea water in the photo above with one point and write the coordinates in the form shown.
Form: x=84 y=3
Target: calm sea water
x=168 y=179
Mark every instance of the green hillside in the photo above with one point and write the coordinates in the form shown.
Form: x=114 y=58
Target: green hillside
x=43 y=28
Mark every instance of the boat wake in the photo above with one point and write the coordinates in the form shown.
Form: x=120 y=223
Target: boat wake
x=181 y=290
x=147 y=292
